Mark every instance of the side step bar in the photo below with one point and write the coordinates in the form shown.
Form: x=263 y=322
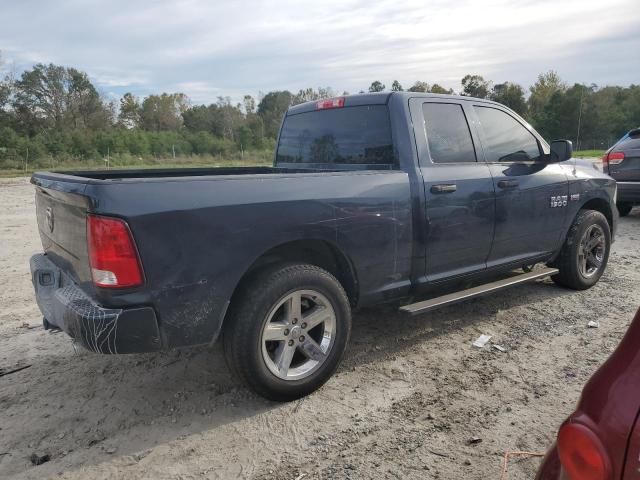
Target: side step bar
x=433 y=303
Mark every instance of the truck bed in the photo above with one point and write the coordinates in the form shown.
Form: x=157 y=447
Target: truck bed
x=124 y=174
x=199 y=230
x=86 y=176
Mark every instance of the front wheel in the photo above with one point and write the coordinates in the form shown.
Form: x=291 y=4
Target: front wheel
x=287 y=330
x=585 y=253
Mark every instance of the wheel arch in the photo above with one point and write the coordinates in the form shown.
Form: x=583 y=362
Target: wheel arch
x=320 y=253
x=594 y=203
x=600 y=205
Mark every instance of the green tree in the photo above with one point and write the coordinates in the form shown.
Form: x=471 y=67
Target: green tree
x=245 y=137
x=137 y=142
x=475 y=86
x=272 y=108
x=420 y=87
x=57 y=112
x=6 y=94
x=377 y=87
x=203 y=118
x=327 y=92
x=129 y=116
x=305 y=95
x=249 y=104
x=40 y=97
x=511 y=95
x=83 y=106
x=562 y=114
x=52 y=96
x=435 y=88
x=541 y=92
x=309 y=94
x=163 y=112
x=255 y=124
x=396 y=87
x=231 y=117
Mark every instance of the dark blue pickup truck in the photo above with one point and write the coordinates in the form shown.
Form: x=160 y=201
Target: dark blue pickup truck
x=372 y=198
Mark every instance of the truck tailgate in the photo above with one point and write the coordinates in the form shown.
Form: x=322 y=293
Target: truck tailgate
x=61 y=217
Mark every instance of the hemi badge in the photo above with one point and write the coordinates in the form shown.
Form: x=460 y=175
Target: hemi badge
x=575 y=197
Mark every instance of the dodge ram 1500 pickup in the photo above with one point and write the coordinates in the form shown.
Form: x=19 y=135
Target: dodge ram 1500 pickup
x=371 y=198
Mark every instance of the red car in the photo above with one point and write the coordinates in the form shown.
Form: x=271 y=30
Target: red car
x=601 y=439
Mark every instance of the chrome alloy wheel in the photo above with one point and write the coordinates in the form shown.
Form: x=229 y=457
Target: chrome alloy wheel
x=591 y=251
x=298 y=334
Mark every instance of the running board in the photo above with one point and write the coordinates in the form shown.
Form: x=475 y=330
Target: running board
x=433 y=303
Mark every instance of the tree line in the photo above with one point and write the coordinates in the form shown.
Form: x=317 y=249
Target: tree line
x=52 y=111
x=591 y=116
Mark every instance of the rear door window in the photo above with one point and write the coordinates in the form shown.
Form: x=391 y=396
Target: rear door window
x=448 y=133
x=359 y=136
x=629 y=142
x=507 y=140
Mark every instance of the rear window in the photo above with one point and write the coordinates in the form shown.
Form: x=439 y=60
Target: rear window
x=337 y=137
x=628 y=142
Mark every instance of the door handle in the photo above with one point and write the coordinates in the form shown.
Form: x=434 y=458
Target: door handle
x=508 y=183
x=444 y=188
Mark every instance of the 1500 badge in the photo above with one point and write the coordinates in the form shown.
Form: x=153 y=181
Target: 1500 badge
x=559 y=201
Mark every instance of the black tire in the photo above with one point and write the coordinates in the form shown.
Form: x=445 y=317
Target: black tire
x=624 y=209
x=252 y=308
x=569 y=261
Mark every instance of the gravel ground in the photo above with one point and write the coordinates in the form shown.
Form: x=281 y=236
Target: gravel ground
x=407 y=400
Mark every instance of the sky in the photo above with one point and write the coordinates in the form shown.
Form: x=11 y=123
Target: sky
x=209 y=48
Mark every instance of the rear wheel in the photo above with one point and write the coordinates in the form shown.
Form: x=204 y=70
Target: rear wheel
x=624 y=209
x=585 y=253
x=287 y=330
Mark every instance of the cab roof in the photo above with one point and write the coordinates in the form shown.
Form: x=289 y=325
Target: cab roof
x=381 y=98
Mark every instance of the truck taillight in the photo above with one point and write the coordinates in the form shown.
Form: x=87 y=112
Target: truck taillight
x=582 y=454
x=330 y=103
x=112 y=253
x=612 y=158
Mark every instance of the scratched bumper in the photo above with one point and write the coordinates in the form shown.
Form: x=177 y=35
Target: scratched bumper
x=103 y=330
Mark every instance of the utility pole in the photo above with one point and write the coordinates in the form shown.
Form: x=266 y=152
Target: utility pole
x=173 y=150
x=579 y=120
x=26 y=160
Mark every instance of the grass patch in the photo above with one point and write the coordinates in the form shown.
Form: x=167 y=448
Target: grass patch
x=588 y=153
x=115 y=163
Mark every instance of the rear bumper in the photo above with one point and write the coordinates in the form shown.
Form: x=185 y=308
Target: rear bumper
x=629 y=192
x=102 y=330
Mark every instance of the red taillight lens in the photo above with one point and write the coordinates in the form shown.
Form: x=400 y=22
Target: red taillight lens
x=112 y=253
x=330 y=103
x=613 y=158
x=582 y=454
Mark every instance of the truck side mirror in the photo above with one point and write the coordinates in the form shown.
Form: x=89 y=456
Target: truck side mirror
x=561 y=150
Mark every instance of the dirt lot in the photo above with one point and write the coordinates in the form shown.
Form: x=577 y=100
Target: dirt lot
x=409 y=396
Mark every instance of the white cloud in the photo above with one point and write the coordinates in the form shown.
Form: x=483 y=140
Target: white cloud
x=211 y=48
